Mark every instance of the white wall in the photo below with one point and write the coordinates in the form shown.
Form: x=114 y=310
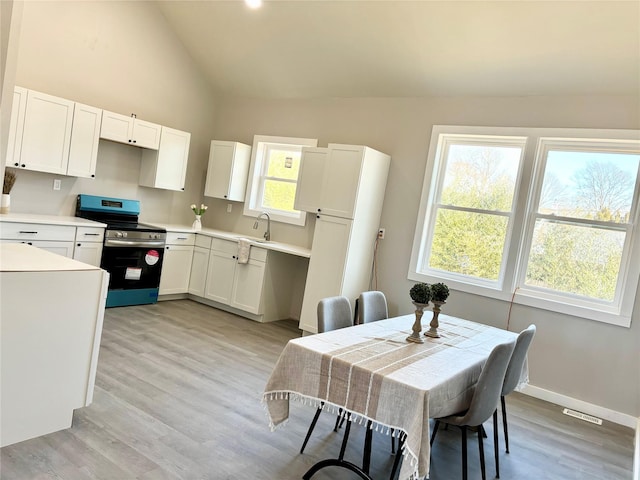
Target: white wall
x=120 y=56
x=581 y=359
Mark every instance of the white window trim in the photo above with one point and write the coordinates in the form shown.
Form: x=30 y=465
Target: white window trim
x=616 y=313
x=254 y=187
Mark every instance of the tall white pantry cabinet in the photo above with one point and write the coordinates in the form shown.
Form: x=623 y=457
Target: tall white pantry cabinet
x=347 y=206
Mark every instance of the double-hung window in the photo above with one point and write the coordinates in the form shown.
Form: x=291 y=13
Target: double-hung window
x=273 y=179
x=546 y=217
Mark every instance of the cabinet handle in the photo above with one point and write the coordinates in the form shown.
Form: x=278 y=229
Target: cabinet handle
x=317 y=216
x=319 y=210
x=233 y=257
x=79 y=245
x=23 y=165
x=28 y=243
x=167 y=247
x=16 y=164
x=92 y=234
x=130 y=140
x=225 y=196
x=181 y=238
x=134 y=141
x=93 y=176
x=29 y=232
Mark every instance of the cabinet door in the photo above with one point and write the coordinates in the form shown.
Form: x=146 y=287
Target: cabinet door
x=61 y=248
x=199 y=265
x=116 y=127
x=176 y=269
x=326 y=266
x=16 y=127
x=247 y=286
x=85 y=135
x=309 y=189
x=88 y=252
x=228 y=170
x=222 y=266
x=47 y=133
x=341 y=180
x=167 y=166
x=146 y=134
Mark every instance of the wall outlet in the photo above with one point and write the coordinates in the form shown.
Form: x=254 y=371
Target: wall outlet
x=381 y=232
x=57 y=183
x=229 y=207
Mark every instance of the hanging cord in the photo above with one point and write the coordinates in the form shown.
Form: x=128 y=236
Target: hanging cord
x=510 y=306
x=373 y=278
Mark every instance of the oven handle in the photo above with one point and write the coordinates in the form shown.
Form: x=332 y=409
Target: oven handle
x=134 y=243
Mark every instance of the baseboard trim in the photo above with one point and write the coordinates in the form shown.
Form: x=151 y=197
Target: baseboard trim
x=636 y=455
x=582 y=406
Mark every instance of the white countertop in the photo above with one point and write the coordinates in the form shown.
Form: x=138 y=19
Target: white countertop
x=211 y=232
x=49 y=220
x=20 y=257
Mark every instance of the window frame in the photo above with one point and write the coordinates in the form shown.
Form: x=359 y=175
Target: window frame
x=257 y=177
x=510 y=285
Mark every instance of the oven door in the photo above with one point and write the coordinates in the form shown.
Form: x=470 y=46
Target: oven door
x=134 y=271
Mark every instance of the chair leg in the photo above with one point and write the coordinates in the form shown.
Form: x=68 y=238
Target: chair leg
x=347 y=429
x=504 y=422
x=393 y=441
x=396 y=462
x=338 y=424
x=495 y=442
x=481 y=449
x=366 y=456
x=435 y=430
x=311 y=427
x=464 y=452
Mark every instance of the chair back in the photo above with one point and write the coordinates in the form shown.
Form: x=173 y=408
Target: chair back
x=516 y=364
x=372 y=306
x=334 y=313
x=487 y=392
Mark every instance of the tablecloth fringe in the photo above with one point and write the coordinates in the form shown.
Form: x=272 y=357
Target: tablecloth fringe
x=408 y=455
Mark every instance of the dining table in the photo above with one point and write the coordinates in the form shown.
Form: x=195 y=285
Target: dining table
x=380 y=379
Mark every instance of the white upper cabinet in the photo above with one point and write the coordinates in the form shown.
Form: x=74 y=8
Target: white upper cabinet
x=228 y=170
x=16 y=127
x=166 y=167
x=46 y=135
x=54 y=135
x=130 y=130
x=331 y=179
x=85 y=136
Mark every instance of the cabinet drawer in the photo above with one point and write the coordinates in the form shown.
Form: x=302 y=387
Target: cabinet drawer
x=225 y=246
x=36 y=231
x=89 y=234
x=176 y=238
x=259 y=254
x=203 y=241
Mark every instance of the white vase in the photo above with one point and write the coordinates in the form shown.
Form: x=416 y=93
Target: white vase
x=5 y=203
x=197 y=224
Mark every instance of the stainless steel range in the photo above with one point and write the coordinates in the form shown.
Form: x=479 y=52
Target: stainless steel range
x=132 y=252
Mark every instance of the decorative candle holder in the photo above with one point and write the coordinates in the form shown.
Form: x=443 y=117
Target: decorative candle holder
x=433 y=331
x=417 y=325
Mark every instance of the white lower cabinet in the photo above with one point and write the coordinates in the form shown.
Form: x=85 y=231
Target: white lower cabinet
x=88 y=246
x=176 y=263
x=199 y=265
x=238 y=285
x=53 y=238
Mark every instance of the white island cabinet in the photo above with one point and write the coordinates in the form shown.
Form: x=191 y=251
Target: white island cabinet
x=52 y=311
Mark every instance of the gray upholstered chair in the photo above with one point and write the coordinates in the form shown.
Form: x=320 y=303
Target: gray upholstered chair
x=483 y=404
x=333 y=313
x=372 y=306
x=514 y=371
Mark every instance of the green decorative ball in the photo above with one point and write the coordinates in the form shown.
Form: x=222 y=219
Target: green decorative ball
x=420 y=293
x=439 y=292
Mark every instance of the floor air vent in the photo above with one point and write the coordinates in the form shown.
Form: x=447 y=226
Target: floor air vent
x=582 y=416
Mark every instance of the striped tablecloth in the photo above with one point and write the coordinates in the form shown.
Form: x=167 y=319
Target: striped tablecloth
x=374 y=373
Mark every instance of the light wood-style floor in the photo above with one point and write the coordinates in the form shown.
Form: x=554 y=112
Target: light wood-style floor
x=178 y=397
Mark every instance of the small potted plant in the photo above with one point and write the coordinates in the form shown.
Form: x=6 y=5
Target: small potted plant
x=420 y=294
x=439 y=294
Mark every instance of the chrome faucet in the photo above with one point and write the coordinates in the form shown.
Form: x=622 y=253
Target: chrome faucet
x=267 y=234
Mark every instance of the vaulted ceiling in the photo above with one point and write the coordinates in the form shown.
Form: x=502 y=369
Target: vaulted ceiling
x=318 y=49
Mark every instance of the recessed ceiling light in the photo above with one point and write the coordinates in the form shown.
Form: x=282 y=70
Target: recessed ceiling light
x=253 y=3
